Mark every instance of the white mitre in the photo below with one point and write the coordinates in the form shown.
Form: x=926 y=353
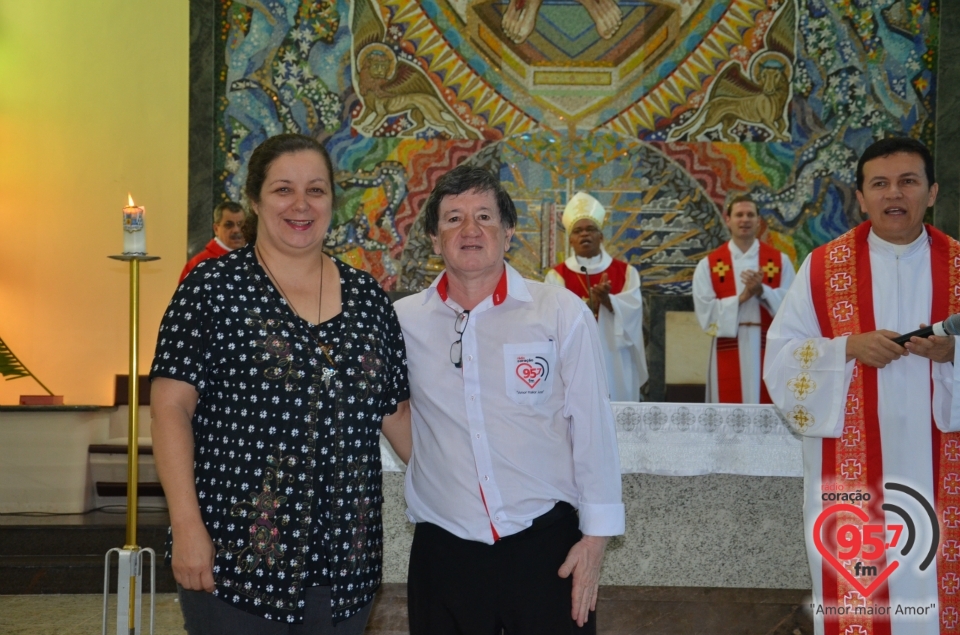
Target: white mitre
x=581 y=206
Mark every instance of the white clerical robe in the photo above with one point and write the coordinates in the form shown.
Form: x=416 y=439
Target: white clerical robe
x=721 y=317
x=621 y=332
x=902 y=299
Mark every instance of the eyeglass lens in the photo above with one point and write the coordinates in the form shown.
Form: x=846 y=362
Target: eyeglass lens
x=461 y=323
x=456 y=353
x=456 y=349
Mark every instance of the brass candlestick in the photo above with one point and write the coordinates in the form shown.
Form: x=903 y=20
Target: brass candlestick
x=130 y=576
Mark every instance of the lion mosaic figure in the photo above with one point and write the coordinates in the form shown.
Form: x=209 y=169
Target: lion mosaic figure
x=734 y=98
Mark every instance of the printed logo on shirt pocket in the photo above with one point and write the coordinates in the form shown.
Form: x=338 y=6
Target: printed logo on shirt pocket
x=532 y=371
x=528 y=370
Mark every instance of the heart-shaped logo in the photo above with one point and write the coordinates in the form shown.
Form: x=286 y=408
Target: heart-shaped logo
x=881 y=576
x=529 y=374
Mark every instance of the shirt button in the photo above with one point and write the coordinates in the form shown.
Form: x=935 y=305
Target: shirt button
x=486 y=478
x=478 y=435
x=469 y=358
x=496 y=517
x=473 y=397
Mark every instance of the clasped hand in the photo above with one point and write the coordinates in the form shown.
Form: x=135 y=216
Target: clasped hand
x=600 y=294
x=752 y=285
x=877 y=348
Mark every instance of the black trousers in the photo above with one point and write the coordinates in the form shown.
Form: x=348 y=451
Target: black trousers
x=464 y=587
x=206 y=614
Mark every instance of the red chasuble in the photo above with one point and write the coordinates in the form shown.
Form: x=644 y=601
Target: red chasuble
x=577 y=281
x=842 y=290
x=729 y=389
x=212 y=250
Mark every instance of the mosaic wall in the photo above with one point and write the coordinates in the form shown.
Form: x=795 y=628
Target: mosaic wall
x=660 y=108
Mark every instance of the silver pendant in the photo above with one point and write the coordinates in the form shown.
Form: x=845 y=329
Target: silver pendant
x=328 y=374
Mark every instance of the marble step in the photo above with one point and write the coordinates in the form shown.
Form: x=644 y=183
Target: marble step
x=38 y=556
x=20 y=575
x=108 y=471
x=75 y=540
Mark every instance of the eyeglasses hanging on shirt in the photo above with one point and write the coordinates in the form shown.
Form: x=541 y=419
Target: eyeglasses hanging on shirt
x=456 y=349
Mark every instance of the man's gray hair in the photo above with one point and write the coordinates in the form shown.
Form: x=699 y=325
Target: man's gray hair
x=465 y=178
x=226 y=206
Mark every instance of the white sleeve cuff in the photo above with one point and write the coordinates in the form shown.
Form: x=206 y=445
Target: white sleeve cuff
x=602 y=520
x=946 y=410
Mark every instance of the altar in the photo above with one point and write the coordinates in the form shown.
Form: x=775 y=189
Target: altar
x=713 y=496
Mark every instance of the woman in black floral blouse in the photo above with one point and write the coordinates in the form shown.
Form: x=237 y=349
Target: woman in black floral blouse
x=275 y=368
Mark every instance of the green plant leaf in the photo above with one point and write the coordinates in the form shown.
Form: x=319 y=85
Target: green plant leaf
x=10 y=366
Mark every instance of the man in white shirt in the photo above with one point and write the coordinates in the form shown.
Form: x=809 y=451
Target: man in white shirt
x=612 y=290
x=878 y=419
x=737 y=289
x=514 y=478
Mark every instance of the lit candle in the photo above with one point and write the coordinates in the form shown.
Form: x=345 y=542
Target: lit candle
x=134 y=234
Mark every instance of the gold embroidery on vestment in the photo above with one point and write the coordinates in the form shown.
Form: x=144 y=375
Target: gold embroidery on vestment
x=800 y=418
x=806 y=354
x=771 y=270
x=721 y=269
x=802 y=385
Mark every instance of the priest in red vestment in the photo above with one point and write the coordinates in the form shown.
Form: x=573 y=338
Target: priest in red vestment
x=737 y=289
x=228 y=220
x=880 y=450
x=612 y=290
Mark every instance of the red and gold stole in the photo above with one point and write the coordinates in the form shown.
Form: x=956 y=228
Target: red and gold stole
x=842 y=290
x=729 y=389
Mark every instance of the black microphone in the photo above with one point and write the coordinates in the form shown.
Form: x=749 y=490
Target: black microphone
x=583 y=270
x=950 y=326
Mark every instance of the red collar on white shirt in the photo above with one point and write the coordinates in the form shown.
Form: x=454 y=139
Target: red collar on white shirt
x=499 y=294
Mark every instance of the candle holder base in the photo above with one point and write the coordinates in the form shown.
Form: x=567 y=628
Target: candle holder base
x=129 y=257
x=129 y=588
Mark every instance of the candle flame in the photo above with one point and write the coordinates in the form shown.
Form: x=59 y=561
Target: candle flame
x=130 y=200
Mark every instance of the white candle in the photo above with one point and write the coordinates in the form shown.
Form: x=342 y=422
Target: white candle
x=134 y=234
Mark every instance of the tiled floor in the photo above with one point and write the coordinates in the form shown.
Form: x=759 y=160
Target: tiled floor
x=621 y=611
x=77 y=615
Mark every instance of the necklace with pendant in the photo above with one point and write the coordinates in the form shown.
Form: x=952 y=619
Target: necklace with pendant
x=328 y=372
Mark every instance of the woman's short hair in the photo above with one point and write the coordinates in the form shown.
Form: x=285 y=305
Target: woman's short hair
x=466 y=178
x=263 y=157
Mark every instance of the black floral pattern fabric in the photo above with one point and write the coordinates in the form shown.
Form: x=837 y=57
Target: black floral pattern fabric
x=286 y=437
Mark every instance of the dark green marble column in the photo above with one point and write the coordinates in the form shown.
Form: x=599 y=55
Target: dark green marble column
x=947 y=210
x=200 y=194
